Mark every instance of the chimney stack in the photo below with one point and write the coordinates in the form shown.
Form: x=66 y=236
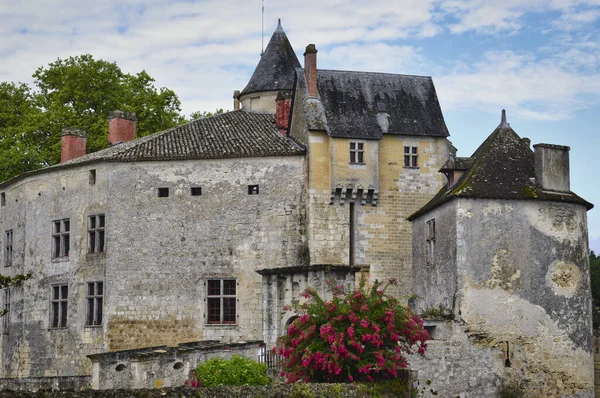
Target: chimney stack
x=282 y=112
x=552 y=167
x=72 y=144
x=121 y=127
x=310 y=69
x=236 y=101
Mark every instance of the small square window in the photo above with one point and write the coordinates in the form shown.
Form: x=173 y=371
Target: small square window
x=357 y=151
x=93 y=177
x=410 y=156
x=163 y=192
x=252 y=189
x=196 y=191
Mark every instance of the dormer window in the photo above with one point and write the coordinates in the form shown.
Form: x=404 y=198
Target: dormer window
x=357 y=152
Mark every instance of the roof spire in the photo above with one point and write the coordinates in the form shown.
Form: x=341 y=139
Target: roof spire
x=503 y=122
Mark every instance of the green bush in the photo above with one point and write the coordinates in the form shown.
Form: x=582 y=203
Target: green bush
x=236 y=371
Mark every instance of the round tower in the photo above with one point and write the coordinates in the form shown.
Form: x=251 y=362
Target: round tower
x=273 y=74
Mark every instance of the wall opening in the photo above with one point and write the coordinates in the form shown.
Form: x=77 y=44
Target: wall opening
x=93 y=177
x=120 y=367
x=351 y=234
x=252 y=189
x=506 y=349
x=178 y=365
x=163 y=192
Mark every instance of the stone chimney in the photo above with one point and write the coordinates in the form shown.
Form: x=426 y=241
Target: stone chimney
x=310 y=69
x=282 y=112
x=121 y=127
x=552 y=167
x=236 y=101
x=72 y=144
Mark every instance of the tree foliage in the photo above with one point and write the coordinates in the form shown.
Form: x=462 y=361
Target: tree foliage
x=203 y=114
x=358 y=335
x=78 y=92
x=8 y=281
x=236 y=371
x=595 y=277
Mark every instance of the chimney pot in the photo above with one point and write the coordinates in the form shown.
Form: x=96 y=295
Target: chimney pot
x=121 y=127
x=73 y=143
x=310 y=69
x=552 y=167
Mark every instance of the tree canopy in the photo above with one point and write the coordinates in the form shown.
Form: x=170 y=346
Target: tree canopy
x=78 y=92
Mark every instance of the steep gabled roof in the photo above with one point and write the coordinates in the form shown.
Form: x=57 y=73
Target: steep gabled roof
x=368 y=105
x=503 y=167
x=234 y=134
x=275 y=70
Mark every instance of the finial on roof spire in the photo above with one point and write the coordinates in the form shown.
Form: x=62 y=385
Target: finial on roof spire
x=503 y=122
x=278 y=21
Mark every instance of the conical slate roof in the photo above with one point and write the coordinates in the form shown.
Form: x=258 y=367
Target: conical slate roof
x=276 y=68
x=503 y=167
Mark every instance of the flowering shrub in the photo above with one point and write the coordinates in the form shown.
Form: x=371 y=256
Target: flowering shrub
x=359 y=335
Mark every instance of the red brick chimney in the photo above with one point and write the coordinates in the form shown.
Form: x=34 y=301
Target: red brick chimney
x=72 y=144
x=310 y=69
x=282 y=112
x=121 y=127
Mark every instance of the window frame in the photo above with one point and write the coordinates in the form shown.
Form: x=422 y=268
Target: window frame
x=221 y=299
x=94 y=303
x=61 y=238
x=96 y=234
x=430 y=238
x=411 y=157
x=8 y=248
x=6 y=311
x=357 y=152
x=59 y=306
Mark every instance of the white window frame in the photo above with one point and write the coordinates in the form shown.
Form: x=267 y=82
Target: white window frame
x=94 y=303
x=220 y=298
x=411 y=156
x=357 y=152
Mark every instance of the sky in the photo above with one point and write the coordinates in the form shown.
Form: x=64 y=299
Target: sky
x=538 y=59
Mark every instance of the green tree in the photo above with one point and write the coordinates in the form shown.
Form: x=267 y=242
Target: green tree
x=77 y=92
x=595 y=277
x=202 y=115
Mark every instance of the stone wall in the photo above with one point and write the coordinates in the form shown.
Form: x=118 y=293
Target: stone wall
x=157 y=367
x=522 y=302
x=159 y=254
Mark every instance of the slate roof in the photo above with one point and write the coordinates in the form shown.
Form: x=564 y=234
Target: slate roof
x=503 y=167
x=275 y=70
x=352 y=101
x=234 y=134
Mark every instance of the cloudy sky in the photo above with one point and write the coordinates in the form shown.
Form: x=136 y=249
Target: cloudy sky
x=539 y=59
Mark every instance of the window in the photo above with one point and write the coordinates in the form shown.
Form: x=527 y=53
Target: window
x=431 y=241
x=163 y=192
x=95 y=295
x=196 y=191
x=93 y=177
x=8 y=248
x=60 y=238
x=58 y=315
x=252 y=189
x=5 y=311
x=96 y=233
x=357 y=150
x=221 y=301
x=2 y=199
x=410 y=156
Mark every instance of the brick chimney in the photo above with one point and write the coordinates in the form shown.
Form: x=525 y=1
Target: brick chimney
x=282 y=112
x=310 y=69
x=121 y=127
x=552 y=167
x=72 y=144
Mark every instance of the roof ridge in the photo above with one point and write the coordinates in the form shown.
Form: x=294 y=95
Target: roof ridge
x=372 y=73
